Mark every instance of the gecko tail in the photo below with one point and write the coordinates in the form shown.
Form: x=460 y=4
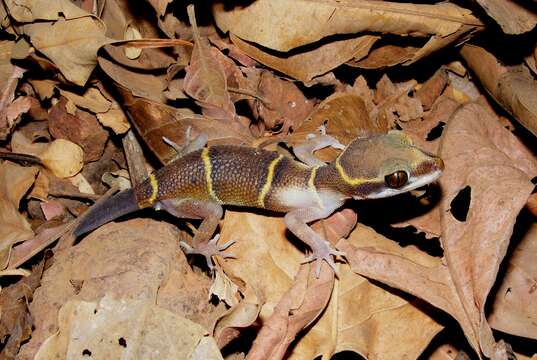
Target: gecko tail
x=118 y=205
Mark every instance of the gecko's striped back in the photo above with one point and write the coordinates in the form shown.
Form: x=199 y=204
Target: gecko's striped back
x=227 y=174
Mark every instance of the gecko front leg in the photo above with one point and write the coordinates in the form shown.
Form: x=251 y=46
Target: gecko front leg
x=297 y=222
x=210 y=212
x=305 y=151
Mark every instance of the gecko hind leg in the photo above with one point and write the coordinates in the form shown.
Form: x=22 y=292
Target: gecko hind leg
x=210 y=212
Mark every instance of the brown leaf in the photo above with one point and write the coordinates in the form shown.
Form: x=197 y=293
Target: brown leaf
x=512 y=87
x=205 y=80
x=308 y=64
x=82 y=128
x=134 y=261
x=394 y=102
x=71 y=44
x=15 y=321
x=283 y=107
x=514 y=309
x=514 y=18
x=268 y=22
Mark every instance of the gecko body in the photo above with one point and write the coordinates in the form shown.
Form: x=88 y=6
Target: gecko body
x=196 y=185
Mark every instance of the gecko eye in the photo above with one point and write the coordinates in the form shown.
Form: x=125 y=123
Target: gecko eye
x=397 y=179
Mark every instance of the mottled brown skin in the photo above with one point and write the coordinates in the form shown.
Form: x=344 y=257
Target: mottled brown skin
x=197 y=184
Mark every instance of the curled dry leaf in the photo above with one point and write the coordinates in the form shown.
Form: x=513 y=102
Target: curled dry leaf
x=513 y=87
x=29 y=10
x=306 y=65
x=15 y=181
x=91 y=100
x=366 y=318
x=205 y=80
x=137 y=261
x=89 y=327
x=63 y=158
x=282 y=25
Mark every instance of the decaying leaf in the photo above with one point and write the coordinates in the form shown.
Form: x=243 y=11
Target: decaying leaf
x=307 y=65
x=138 y=262
x=111 y=328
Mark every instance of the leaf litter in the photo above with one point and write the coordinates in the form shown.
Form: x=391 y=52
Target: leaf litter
x=85 y=82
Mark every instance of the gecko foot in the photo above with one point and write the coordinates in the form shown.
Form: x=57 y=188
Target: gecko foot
x=209 y=249
x=325 y=252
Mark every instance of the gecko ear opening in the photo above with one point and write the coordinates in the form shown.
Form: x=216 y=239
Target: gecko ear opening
x=397 y=179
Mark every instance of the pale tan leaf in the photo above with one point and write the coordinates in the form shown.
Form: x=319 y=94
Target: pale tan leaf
x=71 y=44
x=91 y=100
x=32 y=10
x=111 y=328
x=63 y=157
x=138 y=260
x=282 y=25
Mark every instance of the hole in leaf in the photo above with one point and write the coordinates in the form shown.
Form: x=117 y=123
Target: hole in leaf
x=436 y=132
x=122 y=342
x=461 y=204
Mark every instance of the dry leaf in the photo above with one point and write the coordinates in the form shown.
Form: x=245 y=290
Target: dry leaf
x=512 y=87
x=283 y=25
x=82 y=128
x=514 y=17
x=71 y=44
x=283 y=105
x=136 y=261
x=15 y=321
x=112 y=328
x=32 y=10
x=14 y=183
x=91 y=100
x=205 y=80
x=306 y=65
x=514 y=309
x=63 y=158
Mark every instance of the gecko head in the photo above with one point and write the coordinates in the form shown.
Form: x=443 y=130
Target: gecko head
x=385 y=165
